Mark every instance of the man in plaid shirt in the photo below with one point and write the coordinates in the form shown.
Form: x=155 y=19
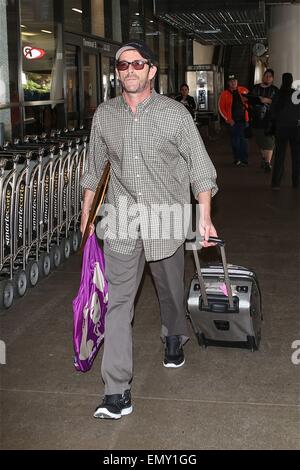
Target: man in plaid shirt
x=156 y=153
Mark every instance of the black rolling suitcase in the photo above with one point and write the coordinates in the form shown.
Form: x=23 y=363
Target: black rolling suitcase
x=224 y=304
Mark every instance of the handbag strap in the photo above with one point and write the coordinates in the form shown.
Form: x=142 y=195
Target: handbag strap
x=97 y=202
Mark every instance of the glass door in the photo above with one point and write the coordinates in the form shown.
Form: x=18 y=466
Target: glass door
x=91 y=97
x=72 y=77
x=90 y=79
x=110 y=86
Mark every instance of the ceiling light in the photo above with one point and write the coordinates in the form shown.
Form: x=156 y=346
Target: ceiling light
x=23 y=26
x=29 y=34
x=151 y=21
x=46 y=31
x=77 y=10
x=210 y=31
x=137 y=14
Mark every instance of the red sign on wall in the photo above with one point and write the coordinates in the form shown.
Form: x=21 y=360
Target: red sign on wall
x=33 y=52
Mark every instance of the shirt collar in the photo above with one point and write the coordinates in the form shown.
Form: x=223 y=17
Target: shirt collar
x=144 y=104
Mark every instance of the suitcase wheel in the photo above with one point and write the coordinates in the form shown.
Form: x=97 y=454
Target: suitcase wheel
x=252 y=344
x=201 y=340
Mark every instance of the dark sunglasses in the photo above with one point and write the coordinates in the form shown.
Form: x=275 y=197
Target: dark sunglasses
x=136 y=64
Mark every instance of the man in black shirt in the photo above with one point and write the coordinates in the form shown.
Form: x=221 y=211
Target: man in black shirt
x=264 y=94
x=238 y=112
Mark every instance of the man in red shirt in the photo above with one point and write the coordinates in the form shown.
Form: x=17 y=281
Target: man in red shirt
x=233 y=108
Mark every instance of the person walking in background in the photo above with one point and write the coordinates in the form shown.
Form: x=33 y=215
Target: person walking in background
x=234 y=109
x=156 y=153
x=187 y=100
x=263 y=95
x=285 y=113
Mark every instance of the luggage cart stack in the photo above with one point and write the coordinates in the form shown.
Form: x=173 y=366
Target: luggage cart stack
x=40 y=207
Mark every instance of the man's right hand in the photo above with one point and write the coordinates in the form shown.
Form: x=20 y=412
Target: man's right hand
x=87 y=203
x=231 y=123
x=84 y=220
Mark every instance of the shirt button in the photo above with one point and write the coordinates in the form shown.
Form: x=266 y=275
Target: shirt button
x=137 y=176
x=135 y=119
x=139 y=194
x=136 y=157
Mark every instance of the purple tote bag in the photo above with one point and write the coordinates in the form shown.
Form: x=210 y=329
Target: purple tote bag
x=89 y=306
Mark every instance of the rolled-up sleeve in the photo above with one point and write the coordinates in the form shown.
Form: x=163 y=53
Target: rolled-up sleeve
x=201 y=169
x=97 y=156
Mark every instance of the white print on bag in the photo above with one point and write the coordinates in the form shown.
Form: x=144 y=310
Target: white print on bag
x=98 y=279
x=93 y=310
x=2 y=352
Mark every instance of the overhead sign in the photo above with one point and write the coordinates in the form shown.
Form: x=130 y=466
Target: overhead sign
x=196 y=68
x=89 y=43
x=33 y=52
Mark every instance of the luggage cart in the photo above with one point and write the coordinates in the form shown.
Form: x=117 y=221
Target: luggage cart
x=57 y=176
x=7 y=177
x=24 y=268
x=40 y=203
x=40 y=207
x=12 y=259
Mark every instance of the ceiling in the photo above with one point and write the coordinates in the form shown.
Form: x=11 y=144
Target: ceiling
x=227 y=22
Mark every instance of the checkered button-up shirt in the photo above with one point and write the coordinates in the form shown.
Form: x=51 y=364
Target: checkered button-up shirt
x=155 y=155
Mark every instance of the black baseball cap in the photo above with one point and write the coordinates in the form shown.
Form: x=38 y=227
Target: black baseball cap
x=139 y=46
x=232 y=76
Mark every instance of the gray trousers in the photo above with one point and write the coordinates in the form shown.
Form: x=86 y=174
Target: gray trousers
x=124 y=274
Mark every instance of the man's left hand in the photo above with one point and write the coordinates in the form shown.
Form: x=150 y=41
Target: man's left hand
x=207 y=230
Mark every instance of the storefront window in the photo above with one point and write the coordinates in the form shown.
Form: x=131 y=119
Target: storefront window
x=86 y=16
x=73 y=15
x=10 y=111
x=116 y=21
x=42 y=53
x=131 y=21
x=4 y=69
x=151 y=27
x=4 y=74
x=97 y=18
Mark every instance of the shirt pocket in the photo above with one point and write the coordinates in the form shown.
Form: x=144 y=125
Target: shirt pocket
x=163 y=145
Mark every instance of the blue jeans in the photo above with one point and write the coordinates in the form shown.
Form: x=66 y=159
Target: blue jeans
x=239 y=143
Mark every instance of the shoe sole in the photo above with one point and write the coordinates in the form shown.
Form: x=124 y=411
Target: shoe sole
x=171 y=365
x=104 y=413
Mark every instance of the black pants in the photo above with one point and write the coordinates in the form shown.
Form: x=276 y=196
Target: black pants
x=282 y=141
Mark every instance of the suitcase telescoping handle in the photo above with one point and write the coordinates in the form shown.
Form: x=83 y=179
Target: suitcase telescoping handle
x=221 y=244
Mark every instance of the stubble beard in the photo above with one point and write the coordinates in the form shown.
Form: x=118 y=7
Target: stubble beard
x=140 y=87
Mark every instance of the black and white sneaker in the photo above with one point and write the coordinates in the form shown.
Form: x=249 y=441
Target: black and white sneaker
x=174 y=356
x=114 y=406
